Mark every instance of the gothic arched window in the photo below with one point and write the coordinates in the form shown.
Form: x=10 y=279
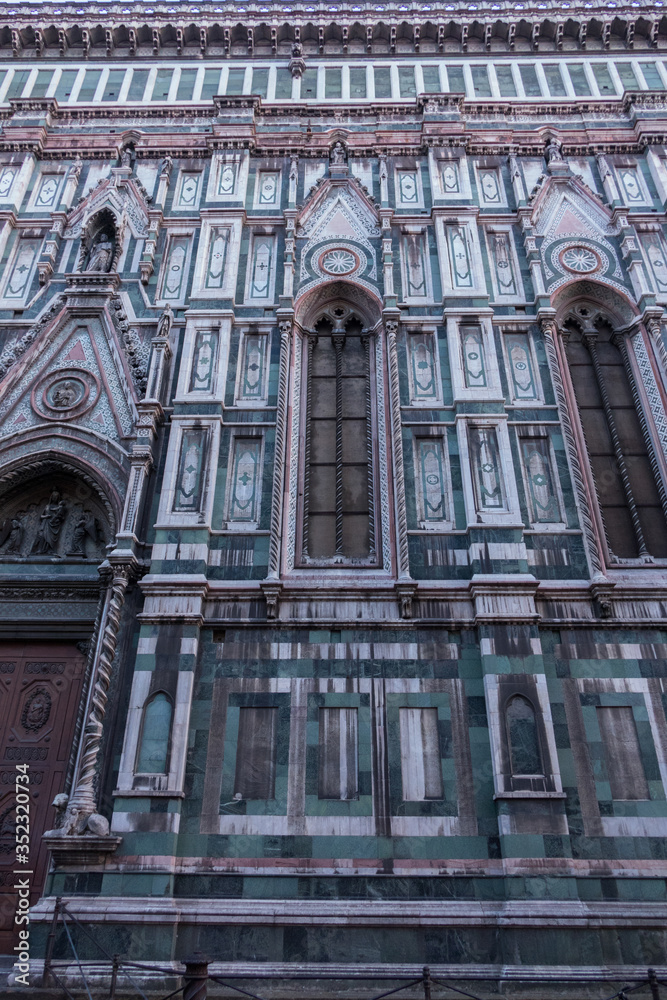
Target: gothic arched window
x=338 y=503
x=522 y=737
x=630 y=493
x=153 y=752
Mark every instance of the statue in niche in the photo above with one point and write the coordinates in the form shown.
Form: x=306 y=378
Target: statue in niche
x=85 y=527
x=101 y=252
x=126 y=157
x=51 y=523
x=338 y=154
x=165 y=323
x=554 y=149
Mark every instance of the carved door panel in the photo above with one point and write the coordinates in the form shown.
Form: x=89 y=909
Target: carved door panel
x=40 y=688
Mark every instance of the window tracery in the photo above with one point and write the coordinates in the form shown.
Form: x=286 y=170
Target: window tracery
x=338 y=507
x=628 y=484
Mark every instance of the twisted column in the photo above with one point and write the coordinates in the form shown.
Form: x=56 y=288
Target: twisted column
x=90 y=665
x=279 y=460
x=391 y=326
x=550 y=332
x=83 y=796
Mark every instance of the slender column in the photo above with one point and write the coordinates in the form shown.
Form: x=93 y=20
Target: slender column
x=591 y=537
x=279 y=462
x=82 y=801
x=366 y=341
x=338 y=341
x=391 y=326
x=654 y=327
x=312 y=341
x=590 y=339
x=621 y=343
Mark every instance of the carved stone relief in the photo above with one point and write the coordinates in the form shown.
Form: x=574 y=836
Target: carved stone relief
x=53 y=518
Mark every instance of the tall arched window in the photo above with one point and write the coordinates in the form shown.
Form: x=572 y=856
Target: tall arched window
x=631 y=496
x=522 y=737
x=338 y=502
x=153 y=752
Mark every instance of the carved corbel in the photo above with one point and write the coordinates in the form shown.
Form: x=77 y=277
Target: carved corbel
x=535 y=36
x=272 y=593
x=406 y=594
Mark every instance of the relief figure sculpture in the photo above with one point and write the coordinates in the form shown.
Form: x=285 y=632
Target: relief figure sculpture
x=51 y=522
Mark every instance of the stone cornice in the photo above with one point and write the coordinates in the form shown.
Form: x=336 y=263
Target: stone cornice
x=90 y=30
x=500 y=128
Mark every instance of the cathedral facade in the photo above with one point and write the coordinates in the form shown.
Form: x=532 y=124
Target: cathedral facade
x=333 y=485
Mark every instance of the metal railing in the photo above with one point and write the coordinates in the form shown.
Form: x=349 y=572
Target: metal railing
x=196 y=977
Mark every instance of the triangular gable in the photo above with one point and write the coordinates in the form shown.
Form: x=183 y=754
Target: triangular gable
x=338 y=209
x=566 y=207
x=79 y=358
x=123 y=196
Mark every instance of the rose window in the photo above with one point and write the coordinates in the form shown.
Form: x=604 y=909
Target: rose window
x=580 y=259
x=339 y=262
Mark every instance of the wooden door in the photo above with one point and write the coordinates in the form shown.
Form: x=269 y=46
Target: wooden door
x=40 y=688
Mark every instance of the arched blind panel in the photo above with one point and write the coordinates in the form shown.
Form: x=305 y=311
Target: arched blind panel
x=524 y=743
x=153 y=753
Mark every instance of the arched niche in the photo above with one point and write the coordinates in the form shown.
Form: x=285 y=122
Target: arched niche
x=51 y=511
x=100 y=243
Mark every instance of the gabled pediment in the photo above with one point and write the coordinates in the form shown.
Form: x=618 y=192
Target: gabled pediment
x=338 y=210
x=565 y=206
x=123 y=196
x=74 y=375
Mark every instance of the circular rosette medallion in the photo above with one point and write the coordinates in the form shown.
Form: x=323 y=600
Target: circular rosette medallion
x=66 y=393
x=339 y=261
x=580 y=260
